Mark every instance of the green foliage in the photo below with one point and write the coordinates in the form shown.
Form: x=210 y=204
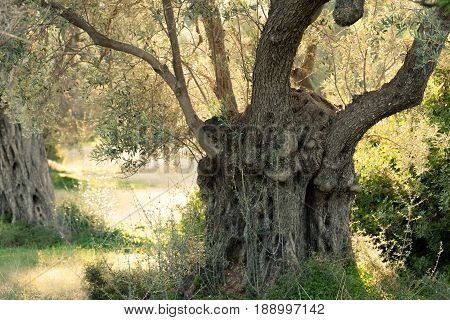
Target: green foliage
x=135 y=131
x=322 y=278
x=28 y=235
x=444 y=4
x=427 y=287
x=174 y=252
x=318 y=277
x=438 y=100
x=61 y=180
x=406 y=203
x=193 y=219
x=71 y=225
x=105 y=283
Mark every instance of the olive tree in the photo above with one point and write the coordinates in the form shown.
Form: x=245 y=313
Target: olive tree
x=26 y=190
x=277 y=175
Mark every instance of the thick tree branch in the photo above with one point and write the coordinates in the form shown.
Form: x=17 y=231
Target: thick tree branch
x=181 y=91
x=216 y=41
x=404 y=91
x=176 y=82
x=286 y=24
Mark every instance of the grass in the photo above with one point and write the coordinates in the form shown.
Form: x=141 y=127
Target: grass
x=27 y=236
x=322 y=278
x=63 y=181
x=71 y=226
x=42 y=262
x=366 y=275
x=48 y=273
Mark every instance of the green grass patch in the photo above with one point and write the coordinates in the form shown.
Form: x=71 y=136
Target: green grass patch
x=28 y=235
x=71 y=225
x=63 y=180
x=322 y=278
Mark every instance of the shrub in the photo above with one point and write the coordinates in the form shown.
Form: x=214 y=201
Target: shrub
x=405 y=195
x=322 y=277
x=105 y=283
x=28 y=235
x=174 y=253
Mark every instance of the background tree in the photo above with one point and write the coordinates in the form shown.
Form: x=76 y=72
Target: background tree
x=26 y=191
x=278 y=177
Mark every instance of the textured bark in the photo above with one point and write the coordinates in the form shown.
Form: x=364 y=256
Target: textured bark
x=278 y=180
x=26 y=191
x=283 y=183
x=275 y=54
x=264 y=212
x=215 y=33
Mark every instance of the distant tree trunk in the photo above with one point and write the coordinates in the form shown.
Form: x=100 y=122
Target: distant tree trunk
x=26 y=191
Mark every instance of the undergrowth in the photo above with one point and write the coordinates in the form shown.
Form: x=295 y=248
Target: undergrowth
x=173 y=265
x=70 y=225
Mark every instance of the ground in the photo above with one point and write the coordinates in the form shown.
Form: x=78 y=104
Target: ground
x=58 y=272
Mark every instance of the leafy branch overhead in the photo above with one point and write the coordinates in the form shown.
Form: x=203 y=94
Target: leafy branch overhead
x=286 y=23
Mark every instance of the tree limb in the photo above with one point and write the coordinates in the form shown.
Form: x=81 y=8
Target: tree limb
x=404 y=91
x=216 y=41
x=181 y=91
x=284 y=29
x=176 y=82
x=103 y=41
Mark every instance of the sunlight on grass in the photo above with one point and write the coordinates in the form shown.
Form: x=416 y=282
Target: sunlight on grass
x=55 y=274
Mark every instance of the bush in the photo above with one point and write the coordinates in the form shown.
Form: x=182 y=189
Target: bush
x=174 y=252
x=105 y=283
x=193 y=219
x=405 y=195
x=28 y=235
x=322 y=277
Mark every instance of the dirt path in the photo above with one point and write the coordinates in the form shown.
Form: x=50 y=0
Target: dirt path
x=155 y=191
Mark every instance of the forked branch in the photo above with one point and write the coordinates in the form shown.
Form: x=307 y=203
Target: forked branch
x=103 y=41
x=176 y=82
x=404 y=91
x=215 y=33
x=284 y=29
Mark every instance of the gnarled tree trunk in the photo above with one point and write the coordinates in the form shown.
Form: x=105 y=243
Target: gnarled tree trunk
x=26 y=190
x=281 y=183
x=278 y=179
x=264 y=210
